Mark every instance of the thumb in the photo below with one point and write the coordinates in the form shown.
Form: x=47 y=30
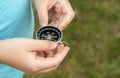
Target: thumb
x=41 y=45
x=42 y=10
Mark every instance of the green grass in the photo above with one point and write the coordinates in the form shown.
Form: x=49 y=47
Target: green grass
x=94 y=38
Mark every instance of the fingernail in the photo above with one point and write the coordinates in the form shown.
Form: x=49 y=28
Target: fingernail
x=53 y=44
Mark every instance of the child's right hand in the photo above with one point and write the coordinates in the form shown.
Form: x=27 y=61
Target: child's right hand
x=21 y=54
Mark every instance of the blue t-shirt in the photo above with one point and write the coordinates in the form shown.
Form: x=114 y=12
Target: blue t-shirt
x=16 y=20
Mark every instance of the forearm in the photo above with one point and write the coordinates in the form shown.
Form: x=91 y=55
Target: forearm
x=2 y=50
x=5 y=49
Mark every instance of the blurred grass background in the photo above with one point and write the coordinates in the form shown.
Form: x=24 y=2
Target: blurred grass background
x=94 y=38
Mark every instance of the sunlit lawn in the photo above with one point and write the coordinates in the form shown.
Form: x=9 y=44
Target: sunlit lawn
x=94 y=38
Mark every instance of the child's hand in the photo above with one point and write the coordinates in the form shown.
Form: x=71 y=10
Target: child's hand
x=22 y=54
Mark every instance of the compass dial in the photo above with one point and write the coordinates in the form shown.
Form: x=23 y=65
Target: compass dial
x=49 y=33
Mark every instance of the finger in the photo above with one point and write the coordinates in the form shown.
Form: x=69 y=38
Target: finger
x=52 y=13
x=56 y=15
x=40 y=54
x=54 y=23
x=49 y=54
x=51 y=3
x=42 y=12
x=47 y=70
x=41 y=45
x=61 y=53
x=66 y=19
x=58 y=10
x=57 y=22
x=68 y=15
x=46 y=54
x=56 y=59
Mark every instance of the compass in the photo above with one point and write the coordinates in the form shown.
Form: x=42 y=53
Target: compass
x=49 y=33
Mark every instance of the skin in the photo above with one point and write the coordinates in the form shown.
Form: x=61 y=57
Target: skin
x=36 y=56
x=23 y=54
x=59 y=12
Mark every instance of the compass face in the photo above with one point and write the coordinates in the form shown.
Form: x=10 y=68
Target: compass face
x=49 y=33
